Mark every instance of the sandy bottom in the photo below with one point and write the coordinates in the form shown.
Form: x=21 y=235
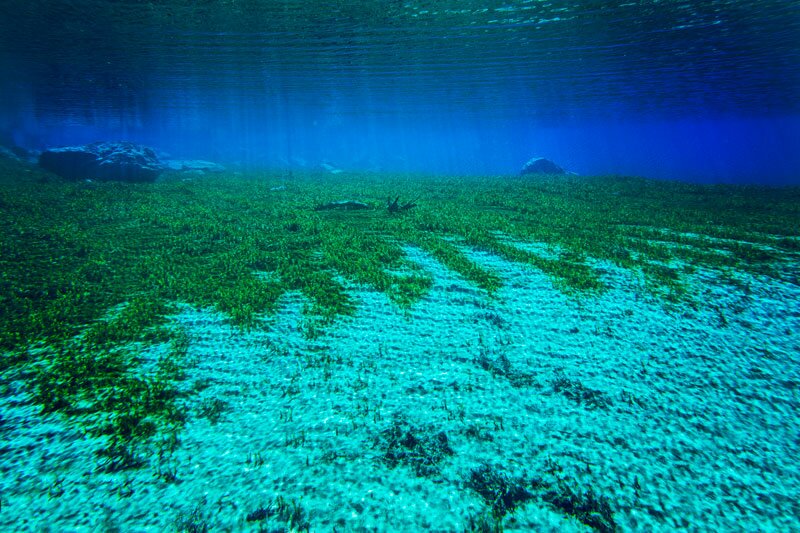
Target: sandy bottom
x=678 y=418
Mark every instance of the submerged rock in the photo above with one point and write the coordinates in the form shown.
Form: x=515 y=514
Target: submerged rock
x=194 y=166
x=541 y=165
x=104 y=161
x=20 y=154
x=330 y=168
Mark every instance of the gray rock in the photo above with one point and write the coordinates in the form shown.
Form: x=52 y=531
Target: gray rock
x=330 y=168
x=540 y=165
x=193 y=165
x=103 y=161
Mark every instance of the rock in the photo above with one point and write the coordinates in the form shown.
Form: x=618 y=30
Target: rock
x=194 y=166
x=330 y=168
x=20 y=154
x=540 y=165
x=103 y=161
x=8 y=153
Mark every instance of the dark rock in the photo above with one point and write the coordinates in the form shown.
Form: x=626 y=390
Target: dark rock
x=18 y=153
x=7 y=153
x=194 y=166
x=540 y=165
x=104 y=161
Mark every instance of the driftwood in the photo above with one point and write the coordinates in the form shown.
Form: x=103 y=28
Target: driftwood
x=395 y=206
x=345 y=205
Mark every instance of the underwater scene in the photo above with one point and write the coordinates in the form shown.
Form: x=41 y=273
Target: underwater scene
x=399 y=265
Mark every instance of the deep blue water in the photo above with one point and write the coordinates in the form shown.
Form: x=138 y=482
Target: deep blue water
x=693 y=90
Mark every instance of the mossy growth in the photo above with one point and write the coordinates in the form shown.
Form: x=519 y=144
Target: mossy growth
x=587 y=506
x=579 y=393
x=503 y=494
x=421 y=449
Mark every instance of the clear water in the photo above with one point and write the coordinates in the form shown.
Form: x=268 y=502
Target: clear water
x=544 y=354
x=698 y=90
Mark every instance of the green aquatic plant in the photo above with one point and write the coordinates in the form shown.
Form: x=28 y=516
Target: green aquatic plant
x=587 y=506
x=91 y=274
x=502 y=493
x=499 y=365
x=421 y=449
x=212 y=409
x=74 y=252
x=484 y=523
x=102 y=385
x=280 y=512
x=193 y=522
x=577 y=392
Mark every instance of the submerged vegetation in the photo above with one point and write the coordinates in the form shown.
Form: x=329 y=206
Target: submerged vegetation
x=74 y=251
x=92 y=272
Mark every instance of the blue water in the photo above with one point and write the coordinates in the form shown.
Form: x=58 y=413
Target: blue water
x=705 y=91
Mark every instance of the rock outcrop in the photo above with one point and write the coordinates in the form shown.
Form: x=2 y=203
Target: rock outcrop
x=195 y=166
x=540 y=165
x=104 y=161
